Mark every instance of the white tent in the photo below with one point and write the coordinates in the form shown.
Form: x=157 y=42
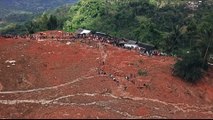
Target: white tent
x=85 y=32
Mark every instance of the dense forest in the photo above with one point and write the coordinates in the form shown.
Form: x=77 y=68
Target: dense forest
x=48 y=20
x=16 y=12
x=170 y=26
x=179 y=27
x=12 y=7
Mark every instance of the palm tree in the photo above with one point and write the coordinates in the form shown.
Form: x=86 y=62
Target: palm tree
x=205 y=41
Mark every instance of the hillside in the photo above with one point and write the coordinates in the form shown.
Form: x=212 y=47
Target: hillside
x=143 y=59
x=45 y=78
x=164 y=23
x=174 y=27
x=10 y=7
x=14 y=13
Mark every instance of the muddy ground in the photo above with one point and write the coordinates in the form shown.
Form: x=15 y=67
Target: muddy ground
x=53 y=79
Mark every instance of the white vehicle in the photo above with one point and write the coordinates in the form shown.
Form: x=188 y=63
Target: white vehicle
x=130 y=46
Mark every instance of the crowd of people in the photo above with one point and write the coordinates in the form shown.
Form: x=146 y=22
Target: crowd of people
x=122 y=43
x=97 y=37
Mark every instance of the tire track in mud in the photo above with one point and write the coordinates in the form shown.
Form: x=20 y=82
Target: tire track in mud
x=53 y=87
x=179 y=106
x=96 y=103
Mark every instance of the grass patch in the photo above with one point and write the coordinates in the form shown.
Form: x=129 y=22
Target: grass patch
x=142 y=72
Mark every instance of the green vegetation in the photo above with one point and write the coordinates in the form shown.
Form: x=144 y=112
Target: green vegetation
x=49 y=20
x=14 y=13
x=52 y=23
x=8 y=7
x=166 y=24
x=193 y=65
x=190 y=68
x=142 y=72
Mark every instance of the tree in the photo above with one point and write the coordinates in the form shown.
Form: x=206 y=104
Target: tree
x=190 y=67
x=52 y=23
x=173 y=39
x=30 y=27
x=205 y=43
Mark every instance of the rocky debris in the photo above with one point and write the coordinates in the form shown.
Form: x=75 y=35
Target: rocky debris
x=68 y=43
x=11 y=62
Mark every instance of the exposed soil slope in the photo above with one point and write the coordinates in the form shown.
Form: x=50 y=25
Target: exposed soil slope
x=52 y=79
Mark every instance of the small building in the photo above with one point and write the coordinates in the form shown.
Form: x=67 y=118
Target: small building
x=131 y=44
x=121 y=43
x=146 y=47
x=82 y=32
x=101 y=34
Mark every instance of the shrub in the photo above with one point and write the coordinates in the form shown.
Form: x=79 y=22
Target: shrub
x=190 y=68
x=142 y=72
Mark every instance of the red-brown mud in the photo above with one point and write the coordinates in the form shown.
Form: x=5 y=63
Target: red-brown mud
x=52 y=79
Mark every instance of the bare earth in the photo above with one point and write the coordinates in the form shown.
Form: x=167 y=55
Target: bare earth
x=51 y=79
